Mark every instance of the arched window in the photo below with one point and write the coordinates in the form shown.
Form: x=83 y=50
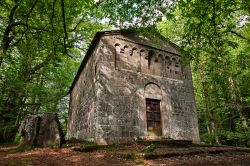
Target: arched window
x=132 y=51
x=151 y=53
x=117 y=47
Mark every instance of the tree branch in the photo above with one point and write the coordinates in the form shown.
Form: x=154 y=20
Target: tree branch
x=32 y=8
x=76 y=26
x=43 y=29
x=6 y=40
x=65 y=30
x=239 y=35
x=27 y=15
x=52 y=25
x=214 y=17
x=5 y=43
x=34 y=70
x=52 y=15
x=64 y=22
x=65 y=48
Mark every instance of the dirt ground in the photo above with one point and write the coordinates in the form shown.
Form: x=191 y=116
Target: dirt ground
x=67 y=156
x=56 y=157
x=223 y=160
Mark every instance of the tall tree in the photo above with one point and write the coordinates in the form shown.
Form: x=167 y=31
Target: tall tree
x=42 y=42
x=214 y=32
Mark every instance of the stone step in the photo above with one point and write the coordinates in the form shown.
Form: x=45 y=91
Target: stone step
x=168 y=142
x=163 y=153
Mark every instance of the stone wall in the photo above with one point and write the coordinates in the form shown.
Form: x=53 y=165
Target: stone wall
x=125 y=71
x=82 y=117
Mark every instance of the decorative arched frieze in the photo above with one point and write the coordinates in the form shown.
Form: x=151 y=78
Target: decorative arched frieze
x=117 y=47
x=176 y=68
x=127 y=57
x=160 y=63
x=125 y=50
x=131 y=51
x=151 y=56
x=174 y=60
x=168 y=64
x=132 y=57
x=144 y=60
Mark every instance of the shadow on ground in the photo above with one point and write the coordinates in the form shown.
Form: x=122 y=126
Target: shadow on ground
x=142 y=153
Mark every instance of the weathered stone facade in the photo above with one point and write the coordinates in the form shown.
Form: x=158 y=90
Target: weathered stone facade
x=119 y=73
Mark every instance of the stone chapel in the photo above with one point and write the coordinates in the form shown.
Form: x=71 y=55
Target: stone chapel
x=131 y=86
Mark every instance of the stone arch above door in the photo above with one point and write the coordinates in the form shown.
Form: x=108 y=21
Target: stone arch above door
x=152 y=91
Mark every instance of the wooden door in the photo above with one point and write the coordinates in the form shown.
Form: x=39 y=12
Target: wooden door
x=153 y=117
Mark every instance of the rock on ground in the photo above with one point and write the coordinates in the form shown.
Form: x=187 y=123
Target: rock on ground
x=41 y=130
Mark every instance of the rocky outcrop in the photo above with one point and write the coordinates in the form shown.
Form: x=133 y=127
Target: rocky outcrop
x=41 y=130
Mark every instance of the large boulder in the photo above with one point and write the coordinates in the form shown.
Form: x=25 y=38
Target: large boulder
x=28 y=130
x=41 y=130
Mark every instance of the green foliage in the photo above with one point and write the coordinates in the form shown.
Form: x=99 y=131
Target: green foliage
x=7 y=130
x=208 y=138
x=128 y=156
x=90 y=147
x=17 y=138
x=42 y=43
x=20 y=149
x=135 y=13
x=234 y=138
x=216 y=34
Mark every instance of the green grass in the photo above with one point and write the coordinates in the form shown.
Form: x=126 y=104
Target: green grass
x=20 y=149
x=86 y=146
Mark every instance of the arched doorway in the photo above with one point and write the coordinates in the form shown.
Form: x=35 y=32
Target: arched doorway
x=153 y=99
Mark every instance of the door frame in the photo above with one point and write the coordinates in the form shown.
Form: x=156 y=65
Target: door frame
x=161 y=129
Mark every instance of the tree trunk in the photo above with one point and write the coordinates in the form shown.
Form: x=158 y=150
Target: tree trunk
x=238 y=102
x=210 y=116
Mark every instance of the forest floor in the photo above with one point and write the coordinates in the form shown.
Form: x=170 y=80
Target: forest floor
x=126 y=155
